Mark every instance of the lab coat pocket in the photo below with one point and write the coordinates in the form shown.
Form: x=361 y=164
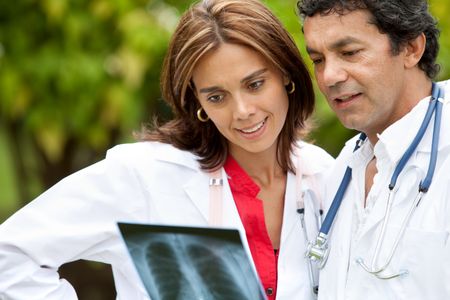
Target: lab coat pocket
x=426 y=257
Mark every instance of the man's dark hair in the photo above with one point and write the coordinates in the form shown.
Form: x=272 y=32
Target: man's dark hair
x=401 y=20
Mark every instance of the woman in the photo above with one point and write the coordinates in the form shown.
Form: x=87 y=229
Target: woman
x=240 y=95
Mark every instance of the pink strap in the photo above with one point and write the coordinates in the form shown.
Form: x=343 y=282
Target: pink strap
x=298 y=183
x=311 y=180
x=215 y=198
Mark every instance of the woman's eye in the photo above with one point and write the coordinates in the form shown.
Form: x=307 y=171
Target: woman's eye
x=215 y=98
x=256 y=85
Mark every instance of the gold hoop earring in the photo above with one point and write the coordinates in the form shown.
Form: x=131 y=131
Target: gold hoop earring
x=200 y=117
x=292 y=90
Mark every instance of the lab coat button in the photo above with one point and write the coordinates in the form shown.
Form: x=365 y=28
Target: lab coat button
x=269 y=291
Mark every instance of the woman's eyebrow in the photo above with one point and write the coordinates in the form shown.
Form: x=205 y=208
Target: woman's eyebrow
x=246 y=78
x=254 y=74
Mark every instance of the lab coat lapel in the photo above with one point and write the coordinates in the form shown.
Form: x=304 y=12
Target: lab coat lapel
x=290 y=215
x=231 y=216
x=197 y=190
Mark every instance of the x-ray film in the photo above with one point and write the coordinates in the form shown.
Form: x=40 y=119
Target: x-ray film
x=183 y=263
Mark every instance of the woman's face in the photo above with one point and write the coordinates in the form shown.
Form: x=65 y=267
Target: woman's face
x=244 y=96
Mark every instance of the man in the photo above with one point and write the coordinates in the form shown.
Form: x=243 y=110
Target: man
x=374 y=60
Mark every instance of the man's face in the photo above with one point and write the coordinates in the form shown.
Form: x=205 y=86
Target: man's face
x=364 y=83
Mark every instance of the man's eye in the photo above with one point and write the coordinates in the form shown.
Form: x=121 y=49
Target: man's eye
x=317 y=61
x=255 y=85
x=350 y=53
x=215 y=98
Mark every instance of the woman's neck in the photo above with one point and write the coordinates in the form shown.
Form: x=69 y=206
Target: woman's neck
x=262 y=167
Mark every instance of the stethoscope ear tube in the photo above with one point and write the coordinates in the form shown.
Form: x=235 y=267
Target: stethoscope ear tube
x=425 y=184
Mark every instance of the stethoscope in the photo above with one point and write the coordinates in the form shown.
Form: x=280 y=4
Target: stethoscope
x=318 y=251
x=314 y=284
x=316 y=213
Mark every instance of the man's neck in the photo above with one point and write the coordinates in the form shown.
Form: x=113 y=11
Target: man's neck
x=417 y=87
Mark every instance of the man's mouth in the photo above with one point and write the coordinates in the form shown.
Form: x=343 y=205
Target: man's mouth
x=346 y=98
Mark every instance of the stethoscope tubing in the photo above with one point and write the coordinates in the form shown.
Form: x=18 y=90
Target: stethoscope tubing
x=336 y=203
x=434 y=108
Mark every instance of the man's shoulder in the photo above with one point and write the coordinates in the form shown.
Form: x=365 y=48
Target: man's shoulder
x=444 y=141
x=445 y=84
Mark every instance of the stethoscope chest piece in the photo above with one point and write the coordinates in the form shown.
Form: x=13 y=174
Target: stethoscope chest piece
x=318 y=251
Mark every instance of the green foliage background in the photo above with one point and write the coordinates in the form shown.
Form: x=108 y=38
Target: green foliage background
x=77 y=77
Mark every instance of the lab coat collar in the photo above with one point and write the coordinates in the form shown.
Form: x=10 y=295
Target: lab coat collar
x=362 y=156
x=311 y=163
x=168 y=153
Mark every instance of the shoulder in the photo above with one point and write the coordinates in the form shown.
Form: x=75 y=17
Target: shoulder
x=444 y=140
x=143 y=153
x=445 y=84
x=316 y=159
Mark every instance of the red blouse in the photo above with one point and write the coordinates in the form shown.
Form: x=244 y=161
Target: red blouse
x=251 y=212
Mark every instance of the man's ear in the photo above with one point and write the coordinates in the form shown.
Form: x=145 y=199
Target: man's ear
x=414 y=50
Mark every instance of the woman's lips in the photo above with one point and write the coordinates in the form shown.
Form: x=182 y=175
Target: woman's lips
x=253 y=131
x=254 y=128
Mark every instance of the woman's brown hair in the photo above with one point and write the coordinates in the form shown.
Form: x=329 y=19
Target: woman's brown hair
x=203 y=28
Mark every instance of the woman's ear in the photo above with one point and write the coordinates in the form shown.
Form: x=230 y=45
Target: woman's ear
x=414 y=50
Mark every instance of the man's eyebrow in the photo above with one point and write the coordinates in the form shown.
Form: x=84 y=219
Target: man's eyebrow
x=246 y=78
x=344 y=42
x=336 y=45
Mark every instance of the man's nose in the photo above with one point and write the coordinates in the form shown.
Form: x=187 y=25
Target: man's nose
x=334 y=73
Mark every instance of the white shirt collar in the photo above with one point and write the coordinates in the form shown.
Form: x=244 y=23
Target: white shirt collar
x=395 y=139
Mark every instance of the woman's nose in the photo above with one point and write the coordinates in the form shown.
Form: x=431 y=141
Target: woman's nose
x=243 y=107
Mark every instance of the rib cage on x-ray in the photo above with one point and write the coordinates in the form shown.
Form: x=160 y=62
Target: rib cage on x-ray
x=183 y=267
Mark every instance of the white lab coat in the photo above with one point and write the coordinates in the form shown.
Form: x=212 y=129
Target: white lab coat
x=424 y=249
x=144 y=182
